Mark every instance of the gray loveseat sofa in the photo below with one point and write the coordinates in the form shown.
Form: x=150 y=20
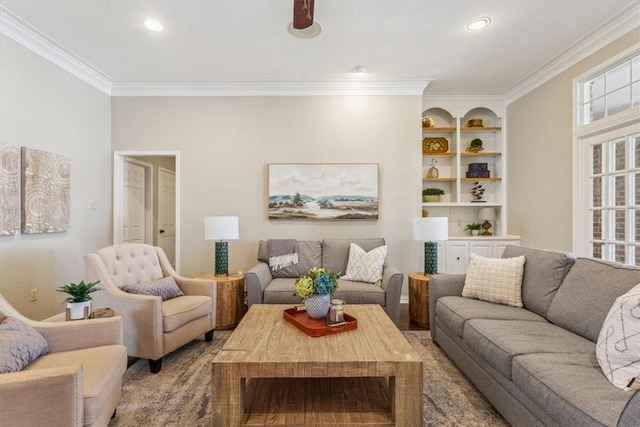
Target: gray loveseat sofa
x=265 y=286
x=537 y=365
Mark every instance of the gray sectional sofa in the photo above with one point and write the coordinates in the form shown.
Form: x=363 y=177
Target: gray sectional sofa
x=537 y=365
x=265 y=286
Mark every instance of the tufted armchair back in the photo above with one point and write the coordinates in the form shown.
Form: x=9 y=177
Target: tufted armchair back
x=131 y=263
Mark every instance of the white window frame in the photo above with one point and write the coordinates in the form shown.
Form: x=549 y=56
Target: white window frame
x=612 y=127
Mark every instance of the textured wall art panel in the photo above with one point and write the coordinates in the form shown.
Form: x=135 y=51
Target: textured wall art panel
x=9 y=189
x=45 y=192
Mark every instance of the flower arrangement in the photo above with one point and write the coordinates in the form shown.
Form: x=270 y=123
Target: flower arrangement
x=319 y=281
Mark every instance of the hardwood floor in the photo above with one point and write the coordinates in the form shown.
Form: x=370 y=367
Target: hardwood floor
x=405 y=323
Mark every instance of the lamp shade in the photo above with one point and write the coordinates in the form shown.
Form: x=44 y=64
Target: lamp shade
x=431 y=229
x=221 y=228
x=487 y=214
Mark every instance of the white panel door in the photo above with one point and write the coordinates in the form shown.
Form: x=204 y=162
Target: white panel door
x=133 y=206
x=167 y=213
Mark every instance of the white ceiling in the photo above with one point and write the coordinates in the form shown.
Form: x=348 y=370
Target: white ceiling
x=222 y=41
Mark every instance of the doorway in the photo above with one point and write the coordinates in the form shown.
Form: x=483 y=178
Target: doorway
x=155 y=192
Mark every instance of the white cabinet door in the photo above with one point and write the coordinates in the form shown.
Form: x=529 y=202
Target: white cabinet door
x=484 y=249
x=457 y=257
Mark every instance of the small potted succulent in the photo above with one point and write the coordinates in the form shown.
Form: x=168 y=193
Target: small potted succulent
x=473 y=228
x=79 y=298
x=431 y=194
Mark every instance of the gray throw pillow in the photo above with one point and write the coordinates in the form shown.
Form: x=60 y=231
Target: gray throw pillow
x=166 y=288
x=20 y=345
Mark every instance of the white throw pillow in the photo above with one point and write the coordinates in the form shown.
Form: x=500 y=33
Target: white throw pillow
x=497 y=280
x=365 y=266
x=618 y=346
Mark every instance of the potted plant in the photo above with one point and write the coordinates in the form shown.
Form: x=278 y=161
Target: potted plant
x=78 y=298
x=315 y=290
x=473 y=228
x=432 y=194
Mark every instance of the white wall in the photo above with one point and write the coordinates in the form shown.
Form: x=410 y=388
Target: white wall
x=539 y=189
x=46 y=108
x=226 y=143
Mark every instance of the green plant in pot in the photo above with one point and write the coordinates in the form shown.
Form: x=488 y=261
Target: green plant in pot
x=432 y=194
x=79 y=298
x=473 y=228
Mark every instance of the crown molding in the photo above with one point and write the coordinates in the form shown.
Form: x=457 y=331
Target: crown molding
x=29 y=37
x=627 y=20
x=270 y=88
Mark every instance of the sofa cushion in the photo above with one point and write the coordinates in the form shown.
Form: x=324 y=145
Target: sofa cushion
x=496 y=280
x=630 y=416
x=359 y=293
x=166 y=288
x=20 y=344
x=453 y=312
x=180 y=311
x=588 y=292
x=543 y=274
x=570 y=388
x=618 y=346
x=335 y=252
x=499 y=341
x=102 y=371
x=365 y=266
x=309 y=256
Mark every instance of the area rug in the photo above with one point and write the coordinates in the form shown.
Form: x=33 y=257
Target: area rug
x=179 y=395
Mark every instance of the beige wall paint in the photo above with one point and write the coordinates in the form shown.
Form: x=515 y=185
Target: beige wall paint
x=45 y=107
x=226 y=144
x=539 y=138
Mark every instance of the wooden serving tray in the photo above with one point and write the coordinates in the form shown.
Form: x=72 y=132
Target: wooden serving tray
x=317 y=327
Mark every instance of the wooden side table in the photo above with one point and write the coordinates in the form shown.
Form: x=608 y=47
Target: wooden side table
x=419 y=299
x=229 y=299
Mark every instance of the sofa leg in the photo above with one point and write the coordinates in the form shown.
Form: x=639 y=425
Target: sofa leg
x=155 y=365
x=208 y=336
x=114 y=414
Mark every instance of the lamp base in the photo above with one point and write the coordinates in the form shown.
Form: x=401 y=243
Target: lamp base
x=222 y=259
x=430 y=258
x=486 y=225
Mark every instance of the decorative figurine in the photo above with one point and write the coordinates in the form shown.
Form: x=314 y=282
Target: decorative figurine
x=433 y=171
x=476 y=193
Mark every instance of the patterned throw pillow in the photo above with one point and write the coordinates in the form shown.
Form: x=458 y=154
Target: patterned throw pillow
x=618 y=345
x=497 y=280
x=20 y=345
x=166 y=288
x=365 y=266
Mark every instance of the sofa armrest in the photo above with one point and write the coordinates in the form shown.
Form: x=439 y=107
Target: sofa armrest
x=630 y=416
x=442 y=285
x=204 y=287
x=42 y=397
x=392 y=280
x=256 y=280
x=67 y=336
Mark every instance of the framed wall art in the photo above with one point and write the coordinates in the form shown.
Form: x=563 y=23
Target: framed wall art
x=9 y=189
x=45 y=192
x=318 y=191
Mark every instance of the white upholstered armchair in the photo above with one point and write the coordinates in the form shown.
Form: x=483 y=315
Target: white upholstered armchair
x=152 y=327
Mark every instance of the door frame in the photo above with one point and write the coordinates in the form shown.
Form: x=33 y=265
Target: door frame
x=118 y=163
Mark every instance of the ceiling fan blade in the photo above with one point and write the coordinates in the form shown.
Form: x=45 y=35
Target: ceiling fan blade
x=302 y=14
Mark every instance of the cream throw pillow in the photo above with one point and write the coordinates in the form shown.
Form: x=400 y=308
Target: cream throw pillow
x=618 y=345
x=365 y=266
x=496 y=280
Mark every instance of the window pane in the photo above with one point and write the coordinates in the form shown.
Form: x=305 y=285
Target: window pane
x=620 y=227
x=597 y=159
x=637 y=257
x=635 y=69
x=597 y=225
x=620 y=155
x=595 y=88
x=619 y=77
x=636 y=224
x=620 y=190
x=636 y=142
x=596 y=192
x=597 y=109
x=636 y=190
x=619 y=100
x=635 y=94
x=596 y=250
x=620 y=254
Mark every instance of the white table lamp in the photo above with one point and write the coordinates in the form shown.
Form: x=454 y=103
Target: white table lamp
x=486 y=215
x=431 y=230
x=221 y=228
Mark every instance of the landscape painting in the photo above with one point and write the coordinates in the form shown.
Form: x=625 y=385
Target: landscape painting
x=335 y=191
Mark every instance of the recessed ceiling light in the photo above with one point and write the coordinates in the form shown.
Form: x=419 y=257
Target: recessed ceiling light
x=478 y=24
x=153 y=25
x=360 y=70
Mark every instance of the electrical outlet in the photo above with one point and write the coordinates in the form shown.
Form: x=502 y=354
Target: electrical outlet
x=33 y=295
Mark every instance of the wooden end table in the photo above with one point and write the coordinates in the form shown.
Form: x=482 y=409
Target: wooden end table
x=419 y=299
x=229 y=299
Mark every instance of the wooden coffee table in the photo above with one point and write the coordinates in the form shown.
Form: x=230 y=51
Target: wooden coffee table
x=271 y=373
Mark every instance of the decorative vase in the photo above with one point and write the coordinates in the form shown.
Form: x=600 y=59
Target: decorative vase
x=475 y=232
x=318 y=305
x=77 y=310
